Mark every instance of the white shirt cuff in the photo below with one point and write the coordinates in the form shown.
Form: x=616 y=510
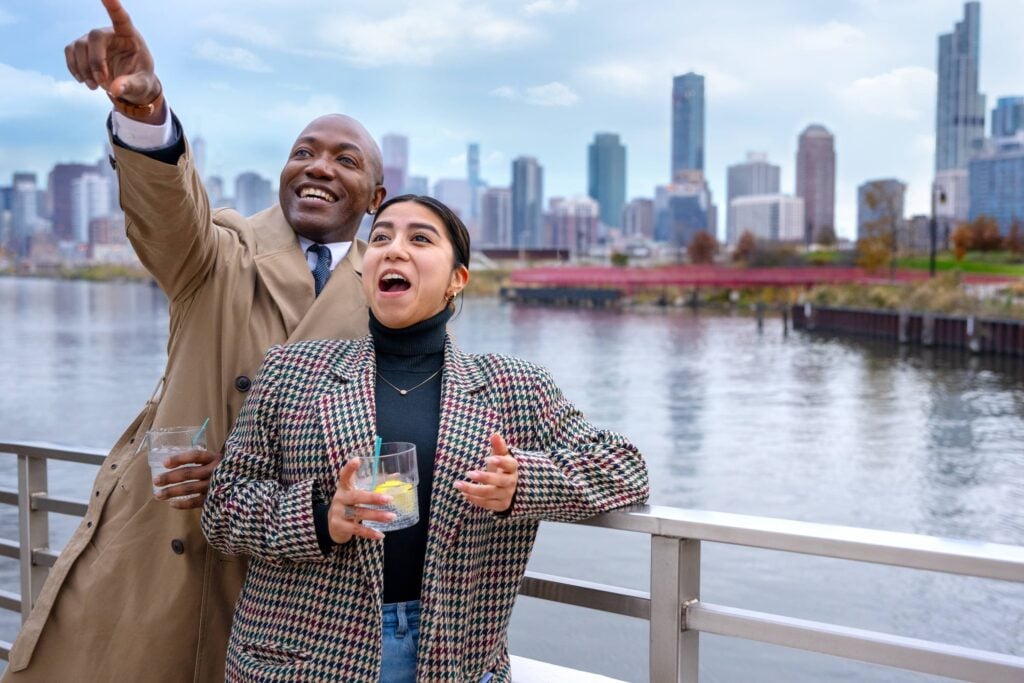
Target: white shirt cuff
x=143 y=136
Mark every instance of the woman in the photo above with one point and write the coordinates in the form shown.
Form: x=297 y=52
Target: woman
x=325 y=598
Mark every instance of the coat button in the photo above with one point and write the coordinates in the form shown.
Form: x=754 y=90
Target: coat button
x=242 y=383
x=177 y=546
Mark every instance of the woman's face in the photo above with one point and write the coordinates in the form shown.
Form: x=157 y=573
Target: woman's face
x=408 y=270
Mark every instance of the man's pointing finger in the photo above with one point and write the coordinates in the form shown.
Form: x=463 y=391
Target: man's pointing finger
x=119 y=18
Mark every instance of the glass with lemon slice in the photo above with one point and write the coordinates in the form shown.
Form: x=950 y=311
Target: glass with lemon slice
x=393 y=473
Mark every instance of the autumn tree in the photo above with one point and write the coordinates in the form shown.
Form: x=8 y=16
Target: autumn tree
x=985 y=235
x=879 y=231
x=745 y=247
x=702 y=248
x=1014 y=241
x=873 y=253
x=962 y=239
x=826 y=236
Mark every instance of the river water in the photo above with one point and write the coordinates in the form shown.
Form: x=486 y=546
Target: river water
x=729 y=418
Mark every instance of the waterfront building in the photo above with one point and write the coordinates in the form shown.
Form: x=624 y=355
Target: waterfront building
x=395 y=155
x=755 y=176
x=769 y=217
x=496 y=217
x=1008 y=117
x=606 y=170
x=880 y=207
x=997 y=181
x=25 y=218
x=253 y=193
x=527 y=202
x=455 y=193
x=816 y=180
x=917 y=237
x=687 y=124
x=417 y=184
x=682 y=209
x=473 y=176
x=58 y=186
x=90 y=199
x=573 y=224
x=960 y=108
x=638 y=218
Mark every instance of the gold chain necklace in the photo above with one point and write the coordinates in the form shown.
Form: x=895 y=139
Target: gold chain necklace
x=403 y=392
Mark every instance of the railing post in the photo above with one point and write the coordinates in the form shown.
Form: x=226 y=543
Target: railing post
x=33 y=528
x=675 y=581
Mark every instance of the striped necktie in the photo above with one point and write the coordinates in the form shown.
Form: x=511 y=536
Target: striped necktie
x=322 y=271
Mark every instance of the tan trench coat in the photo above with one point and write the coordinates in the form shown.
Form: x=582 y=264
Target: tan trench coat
x=137 y=594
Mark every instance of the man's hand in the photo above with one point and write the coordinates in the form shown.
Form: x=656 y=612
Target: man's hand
x=117 y=60
x=191 y=481
x=493 y=487
x=346 y=514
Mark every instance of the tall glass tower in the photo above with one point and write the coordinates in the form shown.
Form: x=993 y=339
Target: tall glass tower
x=960 y=108
x=606 y=166
x=687 y=124
x=527 y=202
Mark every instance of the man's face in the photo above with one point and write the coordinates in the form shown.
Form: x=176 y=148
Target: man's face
x=331 y=179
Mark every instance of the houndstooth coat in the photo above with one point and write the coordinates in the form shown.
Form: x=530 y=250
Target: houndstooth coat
x=304 y=616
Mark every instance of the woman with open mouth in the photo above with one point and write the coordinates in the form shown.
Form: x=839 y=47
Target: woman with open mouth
x=498 y=449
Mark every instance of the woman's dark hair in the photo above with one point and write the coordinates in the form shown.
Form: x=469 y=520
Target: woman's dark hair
x=457 y=232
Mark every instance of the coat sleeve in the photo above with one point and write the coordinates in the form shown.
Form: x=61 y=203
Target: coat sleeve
x=167 y=219
x=574 y=470
x=248 y=510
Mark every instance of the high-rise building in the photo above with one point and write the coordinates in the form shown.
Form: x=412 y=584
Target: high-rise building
x=960 y=108
x=455 y=194
x=496 y=217
x=215 y=191
x=395 y=153
x=816 y=180
x=638 y=218
x=997 y=181
x=606 y=166
x=24 y=212
x=90 y=198
x=771 y=217
x=687 y=124
x=473 y=176
x=252 y=193
x=880 y=207
x=59 y=183
x=755 y=176
x=1008 y=117
x=573 y=223
x=682 y=209
x=416 y=184
x=527 y=202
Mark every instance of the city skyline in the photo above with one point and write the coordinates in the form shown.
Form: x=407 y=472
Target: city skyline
x=509 y=82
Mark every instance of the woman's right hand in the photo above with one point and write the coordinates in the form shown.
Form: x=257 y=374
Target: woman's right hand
x=346 y=514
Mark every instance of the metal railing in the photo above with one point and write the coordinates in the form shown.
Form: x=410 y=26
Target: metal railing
x=673 y=606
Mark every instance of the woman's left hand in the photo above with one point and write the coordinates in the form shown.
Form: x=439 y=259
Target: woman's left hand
x=493 y=487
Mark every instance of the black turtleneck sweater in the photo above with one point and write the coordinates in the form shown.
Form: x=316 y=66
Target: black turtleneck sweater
x=405 y=358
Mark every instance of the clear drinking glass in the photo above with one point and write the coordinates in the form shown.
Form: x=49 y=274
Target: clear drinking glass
x=167 y=441
x=395 y=474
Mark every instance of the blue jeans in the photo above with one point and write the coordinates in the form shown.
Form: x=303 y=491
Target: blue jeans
x=401 y=635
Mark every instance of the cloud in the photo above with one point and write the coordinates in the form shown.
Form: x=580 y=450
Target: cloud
x=424 y=33
x=551 y=7
x=239 y=29
x=299 y=114
x=231 y=57
x=833 y=35
x=552 y=94
x=39 y=93
x=651 y=80
x=905 y=93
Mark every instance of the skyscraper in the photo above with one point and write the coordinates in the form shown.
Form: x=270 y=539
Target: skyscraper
x=90 y=198
x=638 y=218
x=816 y=180
x=960 y=108
x=24 y=212
x=771 y=217
x=755 y=176
x=496 y=217
x=395 y=152
x=573 y=224
x=687 y=124
x=455 y=194
x=59 y=187
x=473 y=176
x=527 y=202
x=997 y=181
x=1008 y=117
x=252 y=193
x=606 y=167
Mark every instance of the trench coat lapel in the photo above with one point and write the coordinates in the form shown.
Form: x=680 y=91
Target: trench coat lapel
x=348 y=420
x=282 y=266
x=467 y=420
x=341 y=300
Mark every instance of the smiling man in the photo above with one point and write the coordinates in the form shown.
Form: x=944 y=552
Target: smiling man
x=137 y=594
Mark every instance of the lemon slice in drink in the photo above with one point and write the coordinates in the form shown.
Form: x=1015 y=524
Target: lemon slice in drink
x=402 y=493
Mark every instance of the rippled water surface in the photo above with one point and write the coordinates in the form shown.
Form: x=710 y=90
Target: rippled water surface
x=797 y=427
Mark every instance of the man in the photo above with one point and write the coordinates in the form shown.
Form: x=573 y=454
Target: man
x=137 y=594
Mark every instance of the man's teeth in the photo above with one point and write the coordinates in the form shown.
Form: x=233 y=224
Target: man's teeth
x=314 y=193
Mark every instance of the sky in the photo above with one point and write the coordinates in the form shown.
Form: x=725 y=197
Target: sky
x=519 y=77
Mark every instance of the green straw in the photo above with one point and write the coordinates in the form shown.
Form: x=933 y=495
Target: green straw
x=195 y=437
x=376 y=462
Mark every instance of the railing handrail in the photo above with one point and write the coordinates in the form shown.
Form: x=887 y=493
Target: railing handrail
x=673 y=606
